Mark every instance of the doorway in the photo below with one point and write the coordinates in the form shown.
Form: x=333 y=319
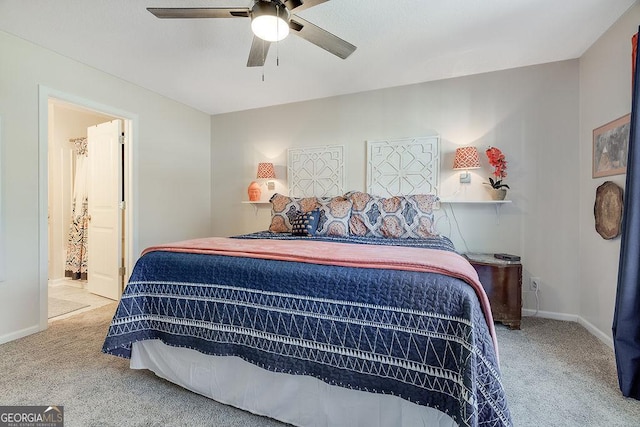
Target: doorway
x=66 y=119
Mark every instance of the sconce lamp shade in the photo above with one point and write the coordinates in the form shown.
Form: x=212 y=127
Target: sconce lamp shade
x=466 y=158
x=266 y=171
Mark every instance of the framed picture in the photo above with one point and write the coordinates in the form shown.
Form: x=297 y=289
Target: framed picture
x=610 y=145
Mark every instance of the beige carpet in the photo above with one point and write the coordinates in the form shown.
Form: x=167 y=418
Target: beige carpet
x=555 y=374
x=558 y=374
x=64 y=366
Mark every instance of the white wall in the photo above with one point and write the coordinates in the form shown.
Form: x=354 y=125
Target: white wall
x=605 y=95
x=530 y=113
x=172 y=166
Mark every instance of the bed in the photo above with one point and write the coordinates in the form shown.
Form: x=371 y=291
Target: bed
x=328 y=329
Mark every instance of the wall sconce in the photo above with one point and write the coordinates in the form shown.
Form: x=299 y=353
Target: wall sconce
x=466 y=158
x=266 y=171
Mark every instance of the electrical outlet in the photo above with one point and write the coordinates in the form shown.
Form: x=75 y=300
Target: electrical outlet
x=534 y=284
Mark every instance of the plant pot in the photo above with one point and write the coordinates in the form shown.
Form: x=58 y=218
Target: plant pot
x=497 y=193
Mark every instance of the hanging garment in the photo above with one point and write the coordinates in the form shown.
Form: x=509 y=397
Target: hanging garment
x=77 y=256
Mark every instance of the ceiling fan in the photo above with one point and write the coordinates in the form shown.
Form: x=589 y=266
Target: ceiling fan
x=271 y=21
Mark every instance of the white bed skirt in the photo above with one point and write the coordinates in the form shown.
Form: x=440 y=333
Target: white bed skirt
x=294 y=399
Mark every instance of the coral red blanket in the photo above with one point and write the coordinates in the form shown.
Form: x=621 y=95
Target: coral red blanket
x=343 y=254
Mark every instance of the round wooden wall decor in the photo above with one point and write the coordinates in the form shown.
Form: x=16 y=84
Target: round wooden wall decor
x=608 y=210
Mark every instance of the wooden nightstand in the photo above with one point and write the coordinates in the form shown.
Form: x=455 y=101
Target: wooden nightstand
x=502 y=281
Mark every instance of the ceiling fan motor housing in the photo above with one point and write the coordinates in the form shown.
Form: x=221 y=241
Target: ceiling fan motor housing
x=270 y=20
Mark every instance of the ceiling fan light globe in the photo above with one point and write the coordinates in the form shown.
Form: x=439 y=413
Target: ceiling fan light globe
x=269 y=28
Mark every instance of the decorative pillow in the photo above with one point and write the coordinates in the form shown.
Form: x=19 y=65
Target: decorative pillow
x=399 y=216
x=418 y=213
x=305 y=224
x=359 y=224
x=334 y=216
x=284 y=209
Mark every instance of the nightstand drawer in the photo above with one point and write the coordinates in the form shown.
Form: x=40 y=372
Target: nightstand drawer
x=502 y=281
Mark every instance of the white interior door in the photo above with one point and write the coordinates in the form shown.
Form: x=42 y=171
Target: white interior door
x=104 y=194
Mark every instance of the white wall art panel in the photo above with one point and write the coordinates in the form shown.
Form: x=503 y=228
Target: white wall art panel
x=316 y=171
x=403 y=166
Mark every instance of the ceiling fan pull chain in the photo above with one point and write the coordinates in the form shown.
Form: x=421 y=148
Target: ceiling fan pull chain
x=264 y=59
x=277 y=36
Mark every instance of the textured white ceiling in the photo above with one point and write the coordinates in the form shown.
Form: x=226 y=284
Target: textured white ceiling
x=202 y=62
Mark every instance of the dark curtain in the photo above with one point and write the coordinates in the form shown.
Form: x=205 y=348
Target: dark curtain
x=626 y=319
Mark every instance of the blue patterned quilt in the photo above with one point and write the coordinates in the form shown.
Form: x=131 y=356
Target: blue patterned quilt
x=420 y=336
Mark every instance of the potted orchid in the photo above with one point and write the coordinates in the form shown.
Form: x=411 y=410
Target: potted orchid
x=499 y=163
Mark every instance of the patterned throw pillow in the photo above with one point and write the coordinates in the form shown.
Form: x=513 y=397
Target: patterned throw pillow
x=334 y=216
x=418 y=213
x=360 y=224
x=284 y=209
x=398 y=217
x=305 y=224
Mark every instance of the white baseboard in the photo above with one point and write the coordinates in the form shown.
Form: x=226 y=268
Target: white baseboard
x=550 y=315
x=606 y=339
x=65 y=281
x=19 y=334
x=597 y=332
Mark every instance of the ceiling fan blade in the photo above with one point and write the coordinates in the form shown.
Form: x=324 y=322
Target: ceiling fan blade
x=321 y=38
x=199 y=12
x=258 y=52
x=298 y=5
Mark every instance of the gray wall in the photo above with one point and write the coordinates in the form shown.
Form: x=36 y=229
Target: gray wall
x=173 y=144
x=530 y=113
x=605 y=95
